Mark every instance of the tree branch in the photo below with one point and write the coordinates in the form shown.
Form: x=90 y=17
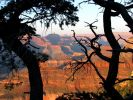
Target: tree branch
x=118 y=8
x=123 y=80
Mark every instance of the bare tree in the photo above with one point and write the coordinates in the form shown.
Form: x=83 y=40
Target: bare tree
x=111 y=9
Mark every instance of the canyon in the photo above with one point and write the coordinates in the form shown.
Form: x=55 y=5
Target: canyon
x=57 y=72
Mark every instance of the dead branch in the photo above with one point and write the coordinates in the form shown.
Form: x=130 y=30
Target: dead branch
x=92 y=27
x=80 y=64
x=129 y=6
x=97 y=71
x=122 y=50
x=82 y=45
x=94 y=41
x=121 y=38
x=123 y=80
x=118 y=8
x=83 y=2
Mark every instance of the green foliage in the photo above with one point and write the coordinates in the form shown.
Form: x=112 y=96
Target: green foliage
x=16 y=15
x=61 y=12
x=126 y=90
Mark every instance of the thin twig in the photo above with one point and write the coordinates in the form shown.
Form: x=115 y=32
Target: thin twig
x=123 y=80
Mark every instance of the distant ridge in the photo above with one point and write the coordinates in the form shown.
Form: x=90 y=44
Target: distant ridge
x=66 y=45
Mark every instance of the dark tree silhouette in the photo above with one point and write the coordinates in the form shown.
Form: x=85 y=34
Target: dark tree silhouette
x=112 y=8
x=15 y=15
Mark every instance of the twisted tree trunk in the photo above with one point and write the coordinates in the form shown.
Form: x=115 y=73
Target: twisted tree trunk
x=114 y=63
x=9 y=32
x=36 y=85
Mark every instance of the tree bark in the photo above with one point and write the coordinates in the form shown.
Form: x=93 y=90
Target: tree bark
x=9 y=31
x=114 y=63
x=36 y=85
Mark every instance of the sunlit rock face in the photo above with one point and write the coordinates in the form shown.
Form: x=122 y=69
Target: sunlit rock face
x=54 y=39
x=130 y=43
x=127 y=57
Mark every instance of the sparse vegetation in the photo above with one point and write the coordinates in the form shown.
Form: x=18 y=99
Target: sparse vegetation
x=15 y=17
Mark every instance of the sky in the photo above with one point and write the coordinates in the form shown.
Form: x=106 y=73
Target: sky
x=87 y=13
